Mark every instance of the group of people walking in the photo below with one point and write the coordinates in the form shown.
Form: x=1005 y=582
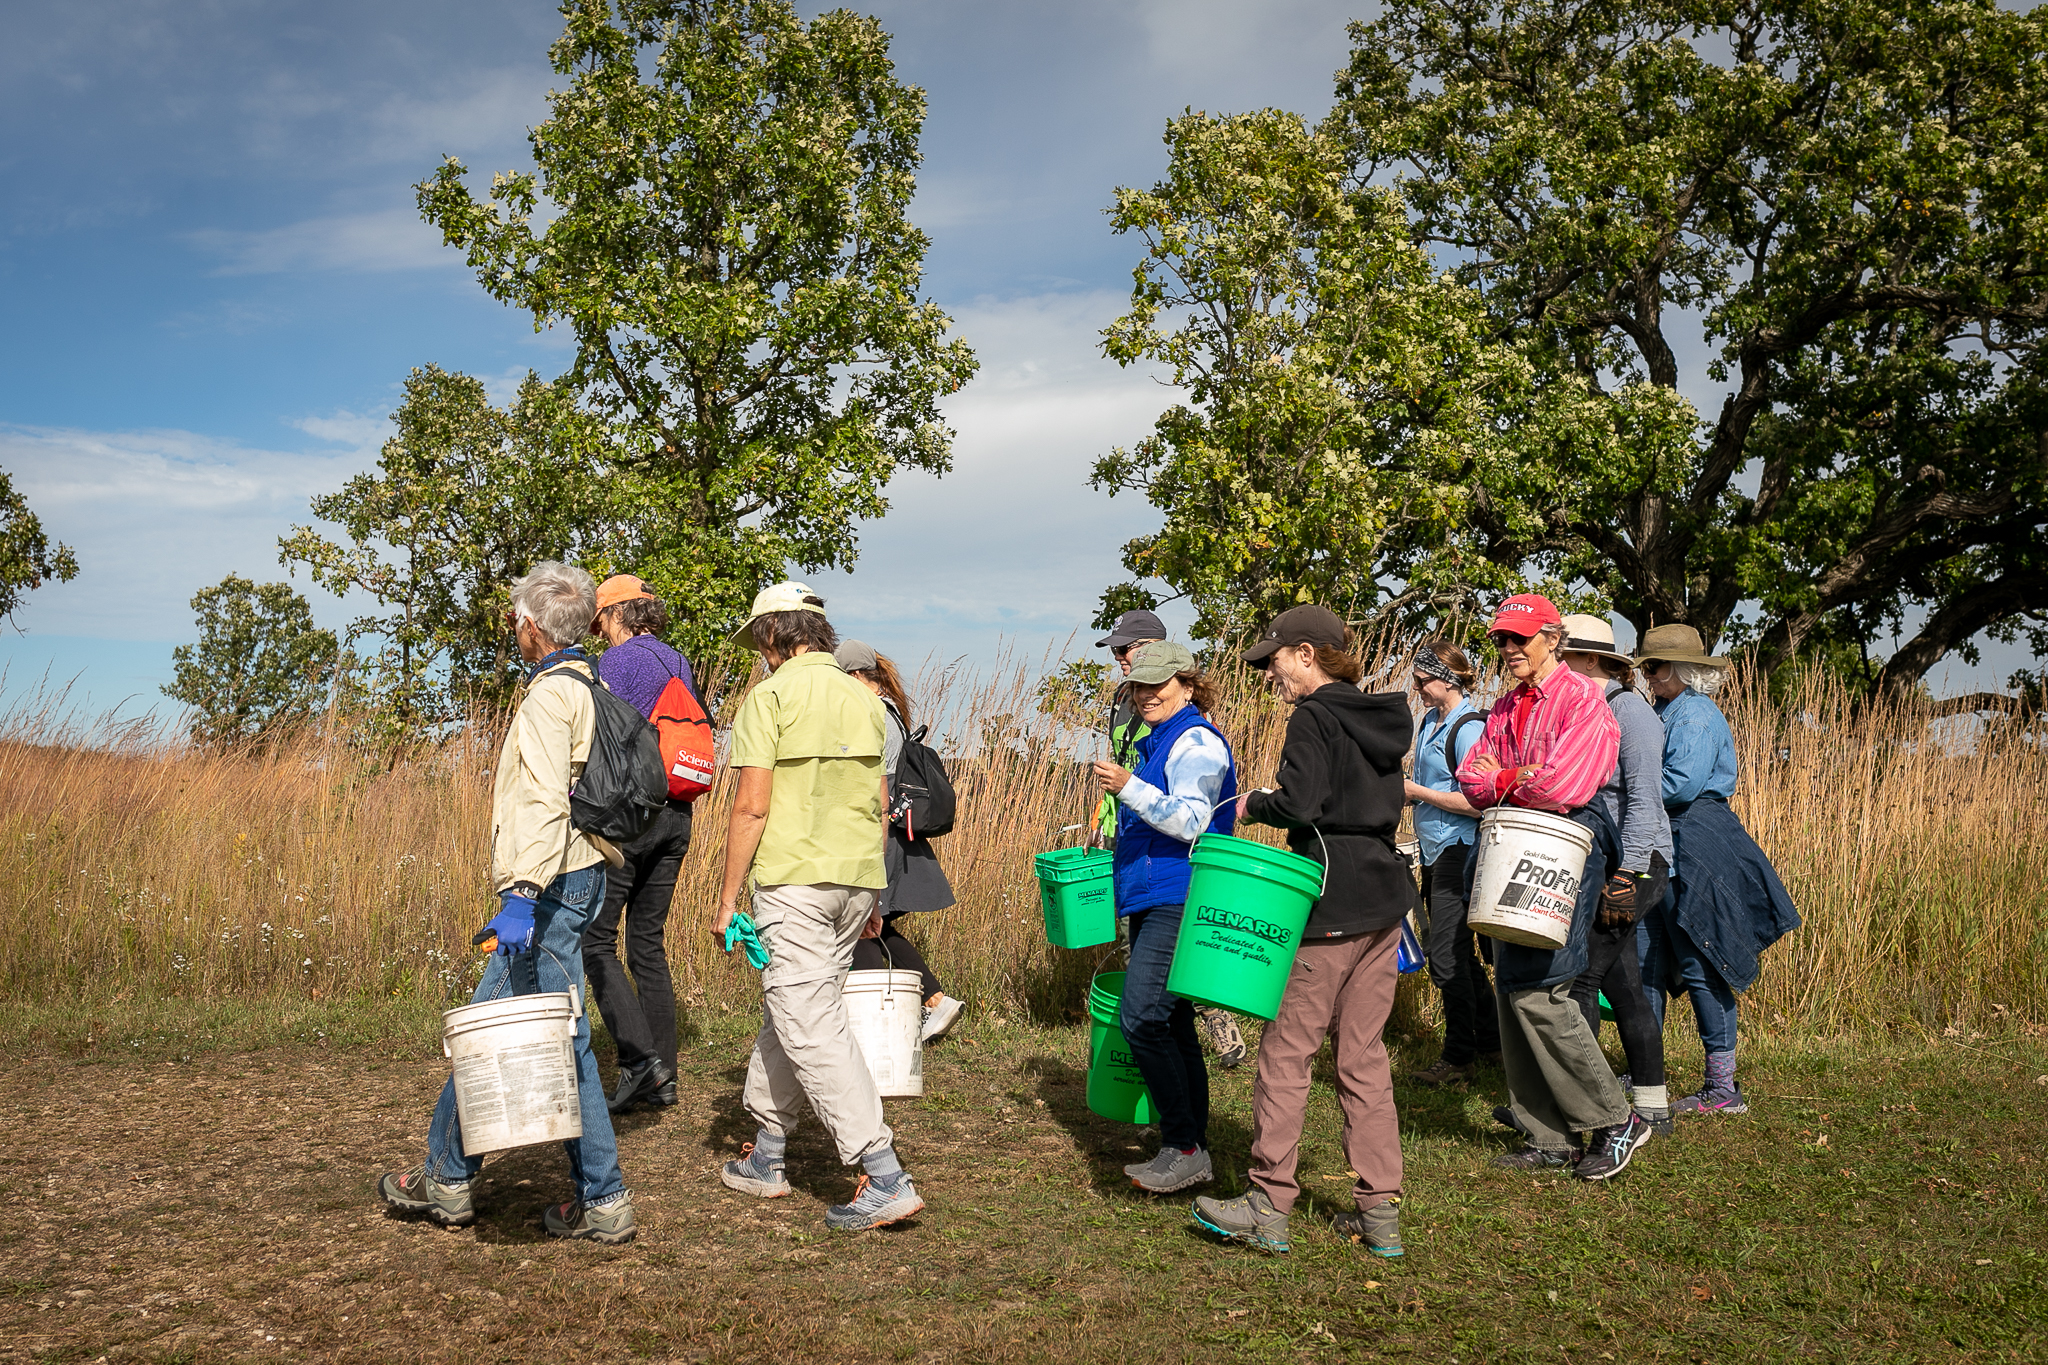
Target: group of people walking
x=1674 y=895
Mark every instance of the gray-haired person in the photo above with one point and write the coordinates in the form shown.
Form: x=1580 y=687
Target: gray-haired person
x=807 y=831
x=549 y=877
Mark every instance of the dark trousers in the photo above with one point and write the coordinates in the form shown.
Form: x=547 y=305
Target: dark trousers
x=641 y=1013
x=1161 y=1031
x=1611 y=967
x=1471 y=1022
x=893 y=951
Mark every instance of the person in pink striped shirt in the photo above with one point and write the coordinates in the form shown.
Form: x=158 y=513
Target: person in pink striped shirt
x=1549 y=745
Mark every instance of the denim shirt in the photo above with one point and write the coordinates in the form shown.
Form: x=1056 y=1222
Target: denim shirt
x=1699 y=750
x=1436 y=829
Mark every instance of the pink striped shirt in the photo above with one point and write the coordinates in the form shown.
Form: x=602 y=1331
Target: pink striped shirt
x=1563 y=728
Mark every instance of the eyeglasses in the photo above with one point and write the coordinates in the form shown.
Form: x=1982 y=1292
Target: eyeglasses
x=1507 y=639
x=1418 y=682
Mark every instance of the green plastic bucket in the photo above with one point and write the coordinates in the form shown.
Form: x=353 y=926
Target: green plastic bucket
x=1075 y=889
x=1115 y=1089
x=1246 y=907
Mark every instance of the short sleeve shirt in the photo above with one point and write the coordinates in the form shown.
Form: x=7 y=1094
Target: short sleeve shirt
x=823 y=735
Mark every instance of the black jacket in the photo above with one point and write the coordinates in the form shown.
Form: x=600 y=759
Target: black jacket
x=1340 y=775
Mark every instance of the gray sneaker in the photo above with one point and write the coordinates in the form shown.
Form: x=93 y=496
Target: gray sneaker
x=1378 y=1228
x=1250 y=1219
x=1172 y=1170
x=1705 y=1101
x=874 y=1207
x=755 y=1174
x=414 y=1192
x=610 y=1223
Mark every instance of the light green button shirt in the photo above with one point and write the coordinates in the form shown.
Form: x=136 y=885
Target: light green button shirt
x=822 y=733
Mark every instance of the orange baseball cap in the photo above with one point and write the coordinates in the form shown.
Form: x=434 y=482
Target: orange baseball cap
x=620 y=587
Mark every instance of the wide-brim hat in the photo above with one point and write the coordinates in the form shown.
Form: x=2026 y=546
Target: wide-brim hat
x=779 y=597
x=1591 y=635
x=1154 y=661
x=1675 y=645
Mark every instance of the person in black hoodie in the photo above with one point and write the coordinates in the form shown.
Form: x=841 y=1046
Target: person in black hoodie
x=1339 y=795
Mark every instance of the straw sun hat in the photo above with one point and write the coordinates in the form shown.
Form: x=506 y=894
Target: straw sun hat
x=1591 y=635
x=1675 y=645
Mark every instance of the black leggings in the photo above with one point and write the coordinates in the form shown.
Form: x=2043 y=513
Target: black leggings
x=1612 y=967
x=869 y=956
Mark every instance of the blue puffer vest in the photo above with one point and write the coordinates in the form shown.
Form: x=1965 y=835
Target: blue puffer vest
x=1152 y=868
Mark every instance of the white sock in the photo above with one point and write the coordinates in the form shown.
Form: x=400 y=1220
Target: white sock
x=1653 y=1097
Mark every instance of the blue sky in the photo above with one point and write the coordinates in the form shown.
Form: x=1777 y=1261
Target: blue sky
x=217 y=282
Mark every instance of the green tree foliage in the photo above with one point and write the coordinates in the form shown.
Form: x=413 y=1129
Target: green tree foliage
x=260 y=662
x=26 y=559
x=727 y=243
x=1348 y=407
x=1850 y=196
x=464 y=499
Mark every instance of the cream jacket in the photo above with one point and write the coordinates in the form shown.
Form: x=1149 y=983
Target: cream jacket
x=543 y=755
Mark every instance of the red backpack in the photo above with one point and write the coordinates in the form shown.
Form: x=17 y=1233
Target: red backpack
x=686 y=747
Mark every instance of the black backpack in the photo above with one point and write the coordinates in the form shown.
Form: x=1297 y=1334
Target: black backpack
x=920 y=794
x=1451 y=739
x=624 y=783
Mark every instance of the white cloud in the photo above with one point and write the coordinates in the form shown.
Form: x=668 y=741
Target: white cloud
x=393 y=239
x=157 y=515
x=363 y=432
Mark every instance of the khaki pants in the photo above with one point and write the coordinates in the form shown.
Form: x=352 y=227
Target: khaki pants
x=1559 y=1082
x=805 y=1055
x=1342 y=989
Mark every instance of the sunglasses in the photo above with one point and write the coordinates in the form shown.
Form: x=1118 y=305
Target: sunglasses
x=1507 y=639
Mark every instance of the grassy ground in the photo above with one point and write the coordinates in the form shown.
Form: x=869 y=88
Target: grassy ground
x=176 y=1199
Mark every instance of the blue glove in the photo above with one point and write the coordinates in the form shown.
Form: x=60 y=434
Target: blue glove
x=513 y=924
x=741 y=933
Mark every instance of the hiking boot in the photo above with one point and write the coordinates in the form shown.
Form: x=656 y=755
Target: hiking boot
x=1377 y=1229
x=639 y=1083
x=1536 y=1159
x=1172 y=1170
x=610 y=1223
x=1705 y=1101
x=1505 y=1117
x=1610 y=1148
x=874 y=1207
x=417 y=1194
x=1658 y=1119
x=664 y=1096
x=755 y=1174
x=1443 y=1073
x=1225 y=1038
x=941 y=1017
x=1250 y=1219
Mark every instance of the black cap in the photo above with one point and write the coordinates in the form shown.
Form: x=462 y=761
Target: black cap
x=1298 y=626
x=1133 y=627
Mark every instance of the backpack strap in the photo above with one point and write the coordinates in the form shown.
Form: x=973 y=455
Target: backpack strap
x=1451 y=733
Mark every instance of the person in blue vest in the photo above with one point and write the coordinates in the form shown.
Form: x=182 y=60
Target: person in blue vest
x=1726 y=903
x=1184 y=787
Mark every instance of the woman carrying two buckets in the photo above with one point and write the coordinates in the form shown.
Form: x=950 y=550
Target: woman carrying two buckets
x=1339 y=795
x=1728 y=904
x=1184 y=787
x=1548 y=748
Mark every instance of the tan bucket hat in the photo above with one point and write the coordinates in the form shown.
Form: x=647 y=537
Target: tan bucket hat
x=1675 y=645
x=1591 y=635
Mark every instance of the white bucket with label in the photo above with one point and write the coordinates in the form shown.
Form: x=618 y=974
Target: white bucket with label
x=515 y=1071
x=1527 y=885
x=886 y=1009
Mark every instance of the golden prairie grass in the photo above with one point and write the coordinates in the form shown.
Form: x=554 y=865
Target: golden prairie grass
x=135 y=867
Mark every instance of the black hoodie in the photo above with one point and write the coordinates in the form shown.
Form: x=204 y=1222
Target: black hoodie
x=1340 y=775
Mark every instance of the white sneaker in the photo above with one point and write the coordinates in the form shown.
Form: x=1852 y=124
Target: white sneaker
x=941 y=1017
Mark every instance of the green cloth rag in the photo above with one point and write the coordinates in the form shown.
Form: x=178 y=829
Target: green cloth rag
x=740 y=934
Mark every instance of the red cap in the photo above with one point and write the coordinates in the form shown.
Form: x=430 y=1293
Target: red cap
x=1524 y=614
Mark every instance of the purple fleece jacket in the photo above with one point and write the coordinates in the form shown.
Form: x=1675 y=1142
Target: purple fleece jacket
x=638 y=669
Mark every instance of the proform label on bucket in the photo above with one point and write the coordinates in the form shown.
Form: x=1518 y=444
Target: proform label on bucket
x=1551 y=891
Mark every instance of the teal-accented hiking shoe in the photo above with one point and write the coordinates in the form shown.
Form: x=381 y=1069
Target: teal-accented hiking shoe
x=1250 y=1219
x=755 y=1174
x=874 y=1207
x=1377 y=1229
x=610 y=1223
x=417 y=1194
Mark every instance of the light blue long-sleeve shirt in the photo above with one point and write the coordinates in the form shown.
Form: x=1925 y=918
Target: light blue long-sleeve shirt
x=1436 y=830
x=1195 y=768
x=1699 y=749
x=1631 y=796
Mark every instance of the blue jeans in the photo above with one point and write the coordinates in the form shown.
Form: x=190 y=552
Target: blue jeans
x=565 y=910
x=1161 y=1031
x=1668 y=951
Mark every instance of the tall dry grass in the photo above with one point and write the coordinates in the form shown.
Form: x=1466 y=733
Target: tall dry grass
x=131 y=865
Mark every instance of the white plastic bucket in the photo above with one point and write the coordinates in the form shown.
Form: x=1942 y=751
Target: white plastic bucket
x=1527 y=885
x=887 y=1012
x=515 y=1071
